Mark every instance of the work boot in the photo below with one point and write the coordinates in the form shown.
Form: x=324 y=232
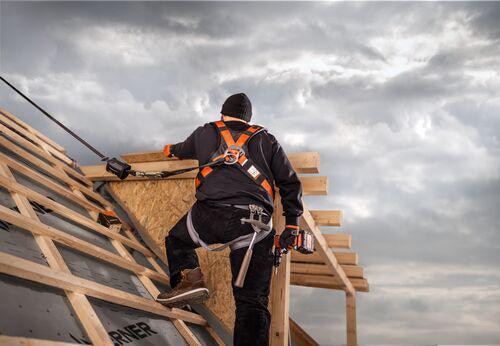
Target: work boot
x=190 y=290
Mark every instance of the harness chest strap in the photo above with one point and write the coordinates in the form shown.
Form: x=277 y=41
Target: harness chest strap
x=243 y=163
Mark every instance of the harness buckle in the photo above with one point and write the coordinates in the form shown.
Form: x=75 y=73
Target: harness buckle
x=257 y=222
x=232 y=154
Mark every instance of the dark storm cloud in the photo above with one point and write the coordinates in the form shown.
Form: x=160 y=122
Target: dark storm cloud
x=400 y=99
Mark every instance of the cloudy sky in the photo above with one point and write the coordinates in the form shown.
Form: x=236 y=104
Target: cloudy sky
x=401 y=100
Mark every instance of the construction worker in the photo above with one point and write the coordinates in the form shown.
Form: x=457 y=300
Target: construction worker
x=254 y=163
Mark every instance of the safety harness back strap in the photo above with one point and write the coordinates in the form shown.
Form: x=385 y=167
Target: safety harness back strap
x=243 y=162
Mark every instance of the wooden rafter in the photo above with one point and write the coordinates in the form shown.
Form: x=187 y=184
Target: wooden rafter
x=57 y=164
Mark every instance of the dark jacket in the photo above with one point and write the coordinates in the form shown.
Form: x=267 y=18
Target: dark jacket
x=229 y=185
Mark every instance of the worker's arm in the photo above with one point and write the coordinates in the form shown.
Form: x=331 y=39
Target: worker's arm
x=289 y=185
x=183 y=150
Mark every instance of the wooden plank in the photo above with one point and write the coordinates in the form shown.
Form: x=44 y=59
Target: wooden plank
x=299 y=336
x=352 y=339
x=314 y=185
x=278 y=335
x=99 y=173
x=327 y=217
x=128 y=232
x=29 y=145
x=58 y=173
x=186 y=333
x=322 y=248
x=71 y=214
x=304 y=162
x=326 y=281
x=16 y=266
x=86 y=314
x=150 y=242
x=33 y=130
x=183 y=329
x=216 y=336
x=145 y=156
x=311 y=185
x=321 y=269
x=316 y=257
x=338 y=240
x=29 y=172
x=21 y=341
x=73 y=242
x=188 y=336
x=88 y=318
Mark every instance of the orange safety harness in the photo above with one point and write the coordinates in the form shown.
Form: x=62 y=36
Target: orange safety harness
x=233 y=153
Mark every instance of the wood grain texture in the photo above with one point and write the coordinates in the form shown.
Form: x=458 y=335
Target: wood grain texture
x=299 y=336
x=13 y=265
x=303 y=162
x=158 y=206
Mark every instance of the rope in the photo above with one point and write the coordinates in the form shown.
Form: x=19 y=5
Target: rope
x=61 y=125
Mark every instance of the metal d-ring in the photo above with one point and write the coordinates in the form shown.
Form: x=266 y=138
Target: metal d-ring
x=230 y=158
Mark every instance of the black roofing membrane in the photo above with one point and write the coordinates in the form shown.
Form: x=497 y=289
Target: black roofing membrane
x=33 y=310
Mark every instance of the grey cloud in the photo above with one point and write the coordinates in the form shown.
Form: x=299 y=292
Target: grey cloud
x=400 y=99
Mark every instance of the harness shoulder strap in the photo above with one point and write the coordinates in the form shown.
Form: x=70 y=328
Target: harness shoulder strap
x=224 y=132
x=244 y=163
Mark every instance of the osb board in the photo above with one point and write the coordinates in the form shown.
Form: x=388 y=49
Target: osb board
x=157 y=206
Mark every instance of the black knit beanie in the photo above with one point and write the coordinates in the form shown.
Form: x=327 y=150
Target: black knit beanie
x=238 y=106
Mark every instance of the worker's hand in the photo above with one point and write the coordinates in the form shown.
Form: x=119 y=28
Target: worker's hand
x=288 y=236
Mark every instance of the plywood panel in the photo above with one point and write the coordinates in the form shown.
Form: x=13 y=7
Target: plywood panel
x=157 y=206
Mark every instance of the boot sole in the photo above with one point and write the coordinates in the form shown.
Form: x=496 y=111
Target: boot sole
x=195 y=296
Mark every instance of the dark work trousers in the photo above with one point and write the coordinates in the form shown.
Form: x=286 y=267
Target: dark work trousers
x=221 y=224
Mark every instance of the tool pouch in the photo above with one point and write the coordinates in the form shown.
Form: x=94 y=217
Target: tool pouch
x=109 y=219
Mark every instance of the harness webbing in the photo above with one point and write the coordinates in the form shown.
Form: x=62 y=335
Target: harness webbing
x=243 y=162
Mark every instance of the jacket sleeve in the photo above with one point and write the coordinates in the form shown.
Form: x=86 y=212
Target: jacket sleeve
x=183 y=150
x=289 y=185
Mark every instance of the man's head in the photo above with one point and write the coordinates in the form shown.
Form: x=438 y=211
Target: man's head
x=237 y=106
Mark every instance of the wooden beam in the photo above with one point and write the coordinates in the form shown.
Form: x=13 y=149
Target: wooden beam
x=352 y=339
x=183 y=329
x=16 y=266
x=314 y=185
x=86 y=314
x=326 y=281
x=338 y=240
x=304 y=162
x=145 y=156
x=54 y=171
x=278 y=335
x=322 y=248
x=20 y=341
x=321 y=269
x=316 y=257
x=311 y=185
x=32 y=130
x=29 y=172
x=73 y=242
x=99 y=173
x=299 y=336
x=327 y=217
x=71 y=214
x=33 y=147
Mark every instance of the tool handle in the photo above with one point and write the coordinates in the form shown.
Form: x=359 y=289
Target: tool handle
x=240 y=280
